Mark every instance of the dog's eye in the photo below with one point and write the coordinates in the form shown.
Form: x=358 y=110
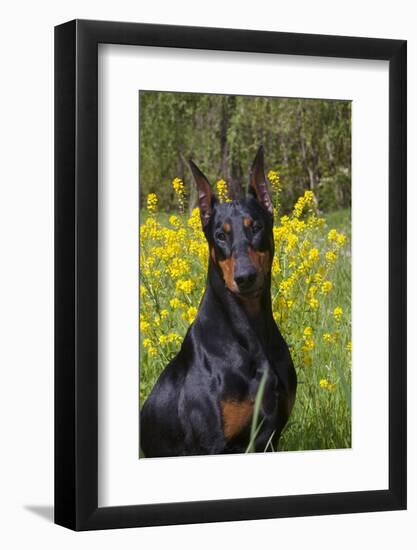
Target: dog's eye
x=256 y=227
x=221 y=236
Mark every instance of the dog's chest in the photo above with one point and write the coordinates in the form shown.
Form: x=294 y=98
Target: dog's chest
x=241 y=376
x=238 y=399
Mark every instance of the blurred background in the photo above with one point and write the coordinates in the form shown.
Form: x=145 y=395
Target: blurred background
x=308 y=141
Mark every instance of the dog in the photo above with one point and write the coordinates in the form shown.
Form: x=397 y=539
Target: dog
x=203 y=402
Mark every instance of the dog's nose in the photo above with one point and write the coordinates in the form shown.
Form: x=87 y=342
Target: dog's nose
x=245 y=279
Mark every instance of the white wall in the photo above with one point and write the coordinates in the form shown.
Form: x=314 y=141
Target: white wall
x=26 y=292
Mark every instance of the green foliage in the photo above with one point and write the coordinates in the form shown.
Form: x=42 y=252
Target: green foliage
x=334 y=191
x=307 y=140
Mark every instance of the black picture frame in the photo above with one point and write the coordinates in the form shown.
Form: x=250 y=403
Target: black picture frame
x=76 y=272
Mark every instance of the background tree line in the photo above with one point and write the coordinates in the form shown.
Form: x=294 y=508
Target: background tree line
x=307 y=140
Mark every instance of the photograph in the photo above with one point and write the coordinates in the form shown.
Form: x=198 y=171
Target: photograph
x=244 y=274
x=209 y=263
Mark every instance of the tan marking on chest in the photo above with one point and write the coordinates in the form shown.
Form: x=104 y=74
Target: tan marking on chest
x=236 y=416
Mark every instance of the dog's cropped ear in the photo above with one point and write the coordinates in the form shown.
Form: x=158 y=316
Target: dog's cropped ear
x=206 y=197
x=258 y=185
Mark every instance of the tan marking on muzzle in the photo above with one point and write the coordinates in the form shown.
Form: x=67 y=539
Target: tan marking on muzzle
x=260 y=260
x=236 y=416
x=228 y=269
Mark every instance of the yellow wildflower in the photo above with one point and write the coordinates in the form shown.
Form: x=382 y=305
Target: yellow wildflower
x=186 y=286
x=175 y=303
x=313 y=255
x=275 y=266
x=341 y=239
x=309 y=343
x=194 y=220
x=331 y=257
x=222 y=191
x=291 y=242
x=274 y=178
x=313 y=303
x=178 y=267
x=299 y=207
x=190 y=314
x=153 y=352
x=147 y=342
x=179 y=189
x=152 y=203
x=338 y=313
x=326 y=287
x=175 y=221
x=144 y=326
x=175 y=338
x=332 y=235
x=318 y=277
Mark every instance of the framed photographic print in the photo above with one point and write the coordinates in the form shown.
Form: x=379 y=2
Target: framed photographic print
x=230 y=252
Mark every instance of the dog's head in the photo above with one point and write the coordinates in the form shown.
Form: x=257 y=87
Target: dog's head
x=239 y=232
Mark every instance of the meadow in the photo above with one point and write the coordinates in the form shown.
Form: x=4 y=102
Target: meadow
x=311 y=296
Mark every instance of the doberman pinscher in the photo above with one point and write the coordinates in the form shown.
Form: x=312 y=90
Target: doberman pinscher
x=203 y=401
